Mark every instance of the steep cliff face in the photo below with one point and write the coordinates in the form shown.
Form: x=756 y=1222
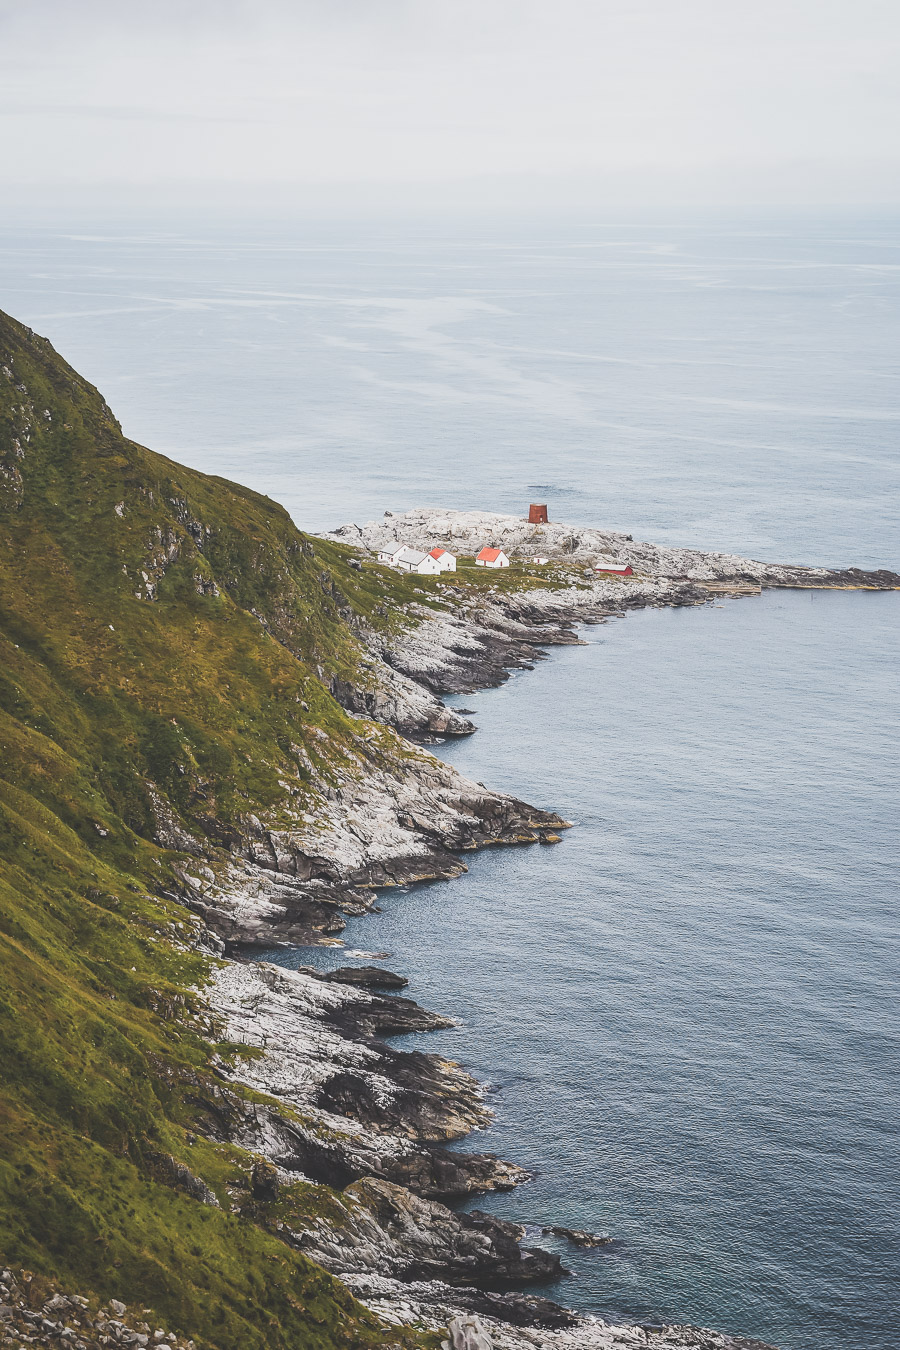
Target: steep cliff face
x=175 y=768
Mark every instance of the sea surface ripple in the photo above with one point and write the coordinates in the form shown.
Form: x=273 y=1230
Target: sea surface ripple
x=687 y=1009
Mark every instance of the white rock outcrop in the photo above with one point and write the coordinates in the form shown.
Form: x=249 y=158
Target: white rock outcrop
x=467 y=531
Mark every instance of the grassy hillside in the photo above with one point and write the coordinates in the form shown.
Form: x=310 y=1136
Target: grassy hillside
x=166 y=643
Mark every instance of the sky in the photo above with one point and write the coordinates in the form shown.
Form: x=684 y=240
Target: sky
x=465 y=101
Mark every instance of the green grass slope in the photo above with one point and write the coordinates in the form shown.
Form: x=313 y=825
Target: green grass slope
x=165 y=637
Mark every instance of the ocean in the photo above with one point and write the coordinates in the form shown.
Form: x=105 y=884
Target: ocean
x=687 y=1009
x=733 y=386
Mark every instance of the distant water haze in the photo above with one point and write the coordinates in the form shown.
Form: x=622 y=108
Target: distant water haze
x=730 y=384
x=687 y=1007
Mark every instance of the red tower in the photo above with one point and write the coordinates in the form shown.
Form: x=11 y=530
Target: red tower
x=537 y=515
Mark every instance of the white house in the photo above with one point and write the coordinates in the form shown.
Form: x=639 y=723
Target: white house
x=539 y=560
x=492 y=557
x=389 y=552
x=414 y=560
x=445 y=561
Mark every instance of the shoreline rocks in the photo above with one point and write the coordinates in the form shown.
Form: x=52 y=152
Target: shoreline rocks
x=379 y=822
x=389 y=1230
x=522 y=1322
x=46 y=1314
x=360 y=1107
x=366 y=1118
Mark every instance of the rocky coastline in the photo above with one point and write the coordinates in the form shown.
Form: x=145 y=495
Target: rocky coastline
x=39 y=1312
x=380 y=824
x=215 y=733
x=364 y=1117
x=373 y=1122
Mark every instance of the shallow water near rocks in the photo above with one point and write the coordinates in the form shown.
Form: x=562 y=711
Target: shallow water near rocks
x=686 y=1008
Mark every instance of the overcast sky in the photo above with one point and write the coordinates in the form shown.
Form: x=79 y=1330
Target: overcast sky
x=655 y=100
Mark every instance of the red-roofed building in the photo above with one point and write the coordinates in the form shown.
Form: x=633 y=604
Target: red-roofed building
x=609 y=565
x=492 y=557
x=445 y=561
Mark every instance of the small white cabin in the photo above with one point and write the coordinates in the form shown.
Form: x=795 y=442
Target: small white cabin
x=492 y=557
x=414 y=560
x=389 y=552
x=445 y=561
x=539 y=560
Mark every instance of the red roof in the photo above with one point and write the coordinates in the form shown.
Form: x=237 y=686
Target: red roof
x=489 y=554
x=437 y=553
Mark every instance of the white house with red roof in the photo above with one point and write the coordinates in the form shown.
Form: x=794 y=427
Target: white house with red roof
x=445 y=561
x=492 y=557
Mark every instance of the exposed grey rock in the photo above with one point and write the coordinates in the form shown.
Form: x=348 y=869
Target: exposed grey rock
x=380 y=821
x=467 y=1333
x=467 y=531
x=365 y=1109
x=578 y=1237
x=388 y=1230
x=507 y=1322
x=390 y=696
x=174 y=1173
x=367 y=976
x=66 y=1319
x=367 y=1116
x=58 y=1303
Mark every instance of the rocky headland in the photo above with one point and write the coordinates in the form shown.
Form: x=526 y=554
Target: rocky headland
x=387 y=1115
x=214 y=734
x=467 y=531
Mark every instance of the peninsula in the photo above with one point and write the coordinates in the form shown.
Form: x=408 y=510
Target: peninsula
x=214 y=734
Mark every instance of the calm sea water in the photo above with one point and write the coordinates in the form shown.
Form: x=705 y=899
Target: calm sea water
x=687 y=1007
x=725 y=385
